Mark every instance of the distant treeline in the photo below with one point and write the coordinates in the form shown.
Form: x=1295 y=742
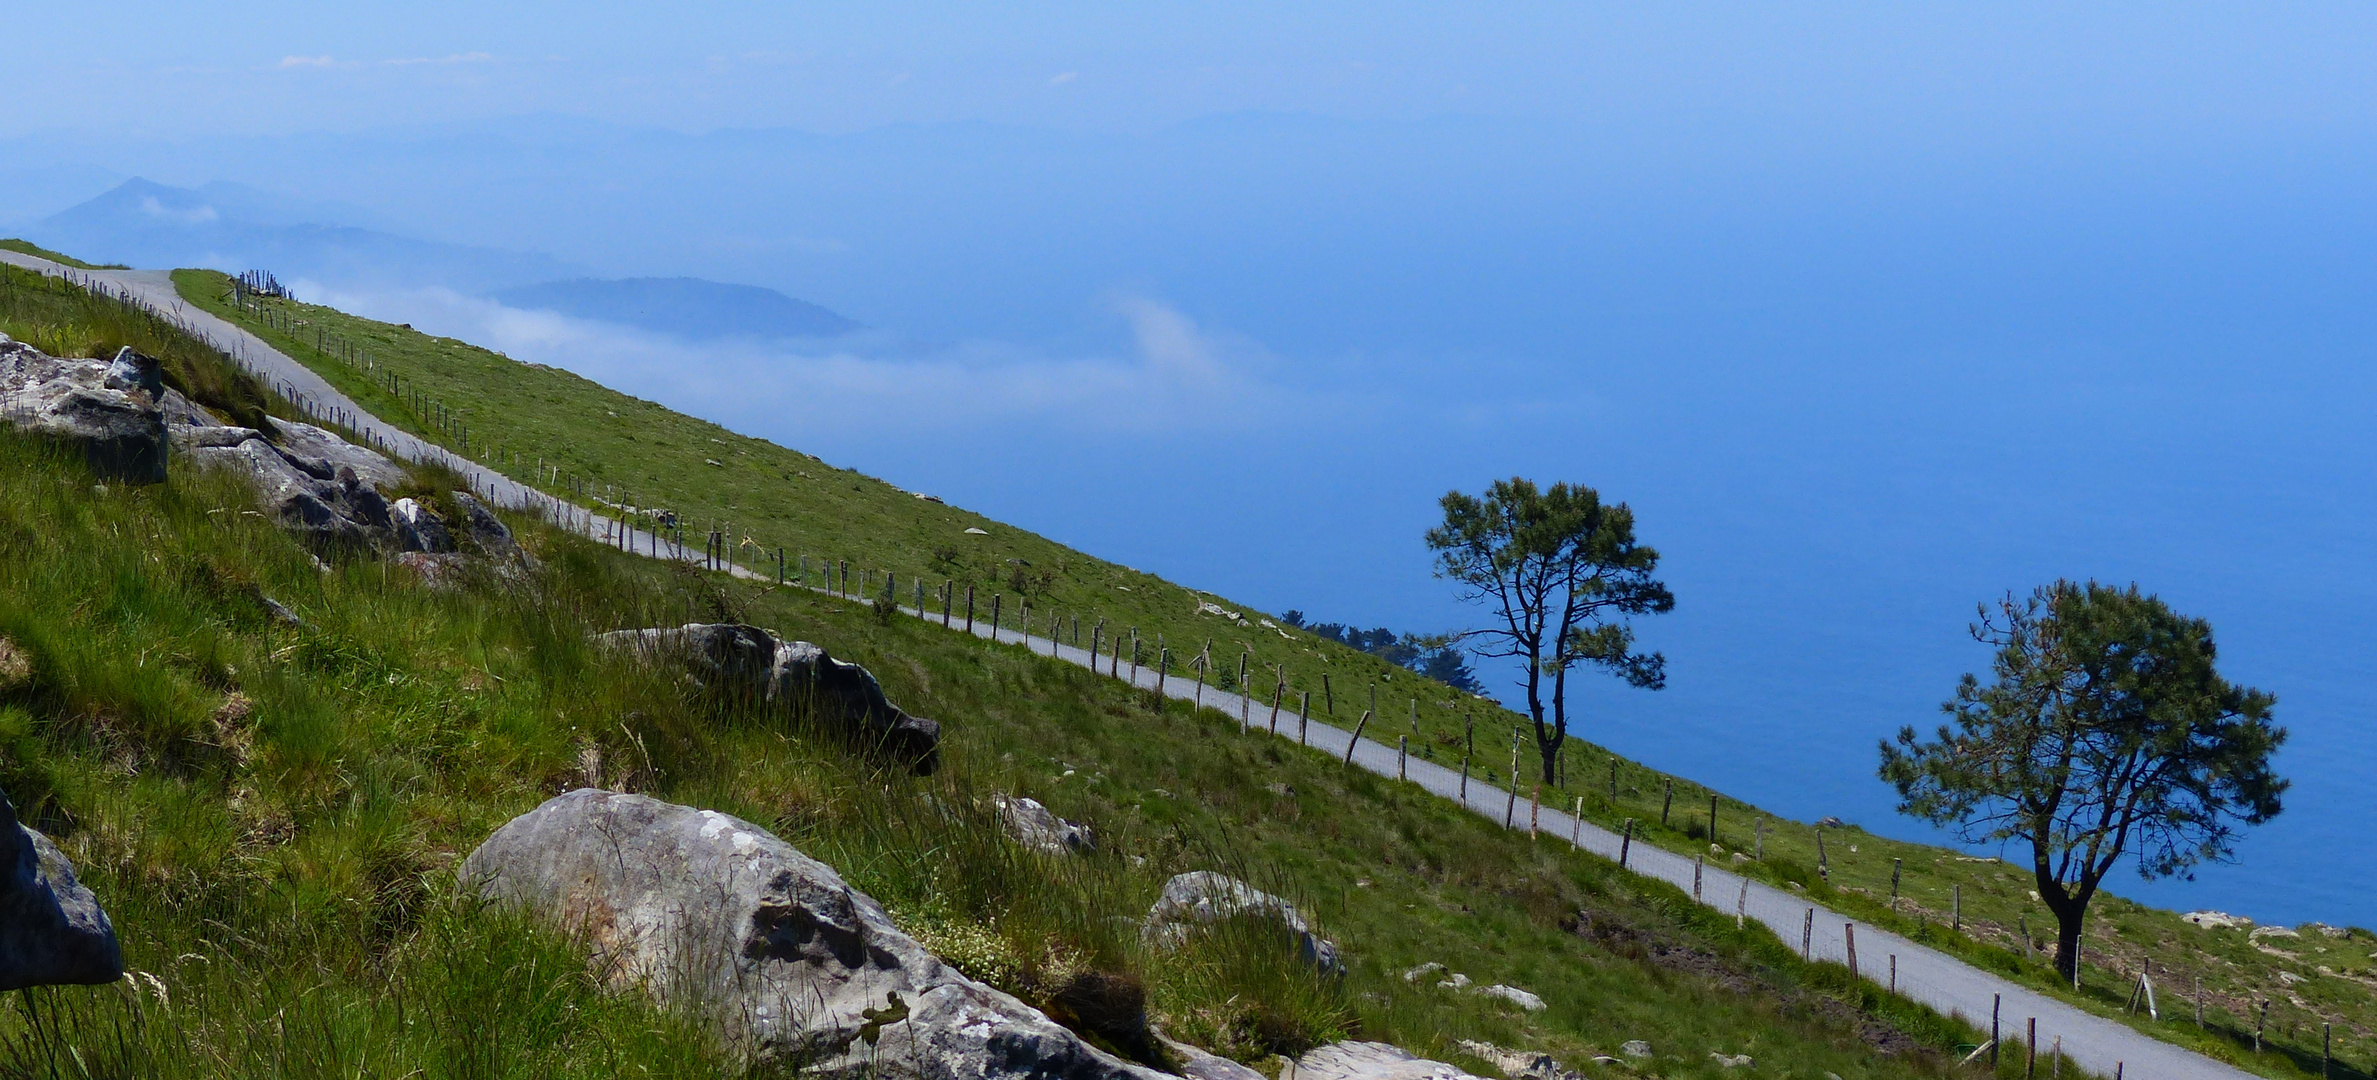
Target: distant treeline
x=1442 y=663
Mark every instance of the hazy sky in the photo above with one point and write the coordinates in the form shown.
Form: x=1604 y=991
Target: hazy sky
x=1871 y=311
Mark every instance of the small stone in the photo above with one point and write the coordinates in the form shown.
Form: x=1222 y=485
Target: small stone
x=971 y=531
x=1636 y=1048
x=1512 y=994
x=1733 y=1061
x=1417 y=973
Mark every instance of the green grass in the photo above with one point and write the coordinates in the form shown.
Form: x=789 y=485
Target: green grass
x=780 y=497
x=27 y=247
x=272 y=812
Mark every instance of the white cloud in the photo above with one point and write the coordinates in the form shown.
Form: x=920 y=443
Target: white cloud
x=307 y=62
x=1062 y=79
x=1178 y=377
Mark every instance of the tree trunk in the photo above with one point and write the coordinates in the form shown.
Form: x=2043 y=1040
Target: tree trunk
x=2067 y=940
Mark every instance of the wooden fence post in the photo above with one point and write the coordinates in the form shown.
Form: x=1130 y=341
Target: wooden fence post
x=1510 y=808
x=1626 y=844
x=1304 y=719
x=1668 y=803
x=1357 y=739
x=969 y=608
x=1849 y=935
x=1402 y=757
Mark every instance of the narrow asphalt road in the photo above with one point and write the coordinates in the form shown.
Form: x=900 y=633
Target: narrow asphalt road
x=1926 y=975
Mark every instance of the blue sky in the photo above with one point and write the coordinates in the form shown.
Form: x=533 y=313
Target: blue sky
x=1871 y=312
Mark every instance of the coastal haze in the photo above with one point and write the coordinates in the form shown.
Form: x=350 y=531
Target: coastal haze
x=1870 y=321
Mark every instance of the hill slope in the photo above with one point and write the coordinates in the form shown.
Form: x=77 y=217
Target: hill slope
x=271 y=809
x=603 y=443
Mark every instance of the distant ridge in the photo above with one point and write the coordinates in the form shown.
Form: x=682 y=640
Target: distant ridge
x=683 y=306
x=232 y=227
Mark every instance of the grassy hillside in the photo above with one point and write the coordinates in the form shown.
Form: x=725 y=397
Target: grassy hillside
x=27 y=247
x=605 y=442
x=271 y=812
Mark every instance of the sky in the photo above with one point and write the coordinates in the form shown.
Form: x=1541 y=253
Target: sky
x=1871 y=312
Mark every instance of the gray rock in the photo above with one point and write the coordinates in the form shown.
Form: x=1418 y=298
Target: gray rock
x=1036 y=827
x=131 y=371
x=52 y=931
x=1203 y=897
x=1516 y=1064
x=1367 y=1061
x=188 y=437
x=1732 y=1061
x=322 y=454
x=1512 y=994
x=181 y=412
x=340 y=510
x=1635 y=1048
x=712 y=914
x=841 y=695
x=486 y=531
x=121 y=432
x=418 y=528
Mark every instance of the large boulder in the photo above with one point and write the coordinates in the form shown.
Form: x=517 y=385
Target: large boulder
x=1367 y=1061
x=110 y=409
x=841 y=695
x=322 y=454
x=711 y=913
x=418 y=528
x=1202 y=897
x=52 y=930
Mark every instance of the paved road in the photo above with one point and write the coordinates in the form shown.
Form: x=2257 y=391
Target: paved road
x=1934 y=978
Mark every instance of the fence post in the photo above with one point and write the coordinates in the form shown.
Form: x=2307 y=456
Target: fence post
x=1402 y=757
x=1163 y=665
x=1510 y=808
x=1849 y=936
x=969 y=607
x=1807 y=937
x=995 y=600
x=1626 y=844
x=1304 y=719
x=1668 y=803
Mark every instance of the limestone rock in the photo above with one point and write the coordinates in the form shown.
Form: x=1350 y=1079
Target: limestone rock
x=52 y=930
x=120 y=431
x=1512 y=994
x=488 y=532
x=418 y=528
x=1635 y=1048
x=1036 y=827
x=1367 y=1061
x=711 y=913
x=1203 y=897
x=1517 y=1064
x=1732 y=1061
x=2216 y=920
x=322 y=454
x=842 y=695
x=131 y=371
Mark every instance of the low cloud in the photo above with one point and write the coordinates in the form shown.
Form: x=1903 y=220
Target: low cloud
x=1062 y=79
x=306 y=62
x=1175 y=377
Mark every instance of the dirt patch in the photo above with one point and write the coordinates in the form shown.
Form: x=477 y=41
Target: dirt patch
x=1668 y=952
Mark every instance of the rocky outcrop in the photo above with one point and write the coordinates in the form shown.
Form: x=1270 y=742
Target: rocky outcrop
x=1367 y=1061
x=1036 y=827
x=712 y=914
x=52 y=930
x=418 y=528
x=108 y=408
x=840 y=695
x=1202 y=897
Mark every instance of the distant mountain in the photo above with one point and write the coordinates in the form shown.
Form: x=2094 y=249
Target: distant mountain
x=686 y=307
x=233 y=227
